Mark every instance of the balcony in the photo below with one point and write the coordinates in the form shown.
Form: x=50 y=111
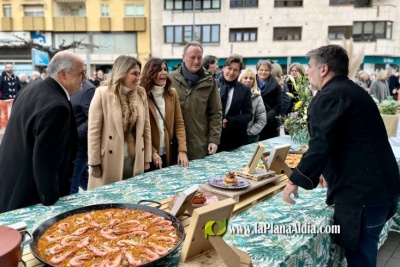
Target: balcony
x=33 y=24
x=67 y=24
x=137 y=24
x=6 y=23
x=105 y=24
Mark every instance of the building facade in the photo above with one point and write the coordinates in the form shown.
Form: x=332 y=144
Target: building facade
x=281 y=30
x=109 y=28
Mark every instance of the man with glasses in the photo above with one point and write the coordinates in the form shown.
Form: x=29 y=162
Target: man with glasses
x=39 y=144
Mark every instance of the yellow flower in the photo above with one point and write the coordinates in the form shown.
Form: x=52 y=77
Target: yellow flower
x=298 y=104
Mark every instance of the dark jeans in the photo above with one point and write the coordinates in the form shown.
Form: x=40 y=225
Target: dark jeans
x=80 y=175
x=373 y=219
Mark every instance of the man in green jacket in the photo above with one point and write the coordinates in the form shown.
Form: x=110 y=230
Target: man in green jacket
x=200 y=103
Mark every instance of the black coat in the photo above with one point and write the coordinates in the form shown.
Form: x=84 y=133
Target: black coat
x=349 y=146
x=80 y=103
x=239 y=115
x=272 y=97
x=38 y=148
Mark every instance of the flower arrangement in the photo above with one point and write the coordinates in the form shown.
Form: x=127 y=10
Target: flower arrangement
x=296 y=122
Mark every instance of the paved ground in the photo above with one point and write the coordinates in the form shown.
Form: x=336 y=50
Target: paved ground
x=389 y=253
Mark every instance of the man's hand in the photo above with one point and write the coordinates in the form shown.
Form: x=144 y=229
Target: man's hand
x=322 y=182
x=212 y=148
x=289 y=189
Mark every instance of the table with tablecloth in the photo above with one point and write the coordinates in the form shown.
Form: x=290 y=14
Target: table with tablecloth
x=264 y=249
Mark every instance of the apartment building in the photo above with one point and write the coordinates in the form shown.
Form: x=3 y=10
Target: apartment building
x=109 y=27
x=281 y=30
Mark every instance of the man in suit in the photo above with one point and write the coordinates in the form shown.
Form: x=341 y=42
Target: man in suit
x=39 y=144
x=237 y=109
x=80 y=103
x=350 y=148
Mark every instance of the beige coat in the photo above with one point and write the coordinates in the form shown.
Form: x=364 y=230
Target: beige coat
x=174 y=122
x=106 y=137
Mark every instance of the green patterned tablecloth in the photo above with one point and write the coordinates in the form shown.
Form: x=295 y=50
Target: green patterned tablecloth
x=264 y=249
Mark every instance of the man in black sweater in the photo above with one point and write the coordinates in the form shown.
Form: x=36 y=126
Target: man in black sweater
x=350 y=148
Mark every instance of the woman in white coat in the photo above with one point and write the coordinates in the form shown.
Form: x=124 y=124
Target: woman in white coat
x=248 y=77
x=119 y=139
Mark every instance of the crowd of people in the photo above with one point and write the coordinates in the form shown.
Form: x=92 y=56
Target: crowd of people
x=69 y=131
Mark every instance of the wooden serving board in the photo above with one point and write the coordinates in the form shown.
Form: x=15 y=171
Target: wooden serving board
x=256 y=176
x=241 y=194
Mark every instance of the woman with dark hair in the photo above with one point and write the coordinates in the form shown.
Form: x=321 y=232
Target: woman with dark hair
x=165 y=115
x=271 y=94
x=237 y=109
x=119 y=140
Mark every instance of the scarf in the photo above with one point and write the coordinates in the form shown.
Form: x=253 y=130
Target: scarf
x=224 y=88
x=262 y=85
x=191 y=78
x=129 y=117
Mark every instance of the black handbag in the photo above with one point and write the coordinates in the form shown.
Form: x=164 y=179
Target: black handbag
x=173 y=141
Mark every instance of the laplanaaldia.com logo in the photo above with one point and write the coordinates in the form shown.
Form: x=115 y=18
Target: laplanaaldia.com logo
x=208 y=228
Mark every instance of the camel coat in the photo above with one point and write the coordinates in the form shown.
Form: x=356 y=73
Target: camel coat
x=174 y=122
x=106 y=137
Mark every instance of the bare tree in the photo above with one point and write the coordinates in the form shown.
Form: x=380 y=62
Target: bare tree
x=51 y=51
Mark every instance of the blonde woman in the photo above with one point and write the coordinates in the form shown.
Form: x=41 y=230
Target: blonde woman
x=278 y=74
x=295 y=69
x=259 y=120
x=119 y=140
x=379 y=87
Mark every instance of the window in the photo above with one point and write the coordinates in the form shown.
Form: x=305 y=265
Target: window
x=105 y=12
x=206 y=34
x=134 y=10
x=243 y=3
x=34 y=11
x=362 y=3
x=78 y=12
x=340 y=2
x=284 y=3
x=109 y=43
x=340 y=32
x=287 y=33
x=183 y=5
x=372 y=30
x=7 y=11
x=243 y=35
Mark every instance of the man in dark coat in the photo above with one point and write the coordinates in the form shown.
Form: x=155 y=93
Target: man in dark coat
x=350 y=148
x=9 y=83
x=237 y=109
x=393 y=83
x=80 y=103
x=39 y=144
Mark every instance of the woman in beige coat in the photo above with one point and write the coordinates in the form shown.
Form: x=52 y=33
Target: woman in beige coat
x=159 y=90
x=119 y=139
